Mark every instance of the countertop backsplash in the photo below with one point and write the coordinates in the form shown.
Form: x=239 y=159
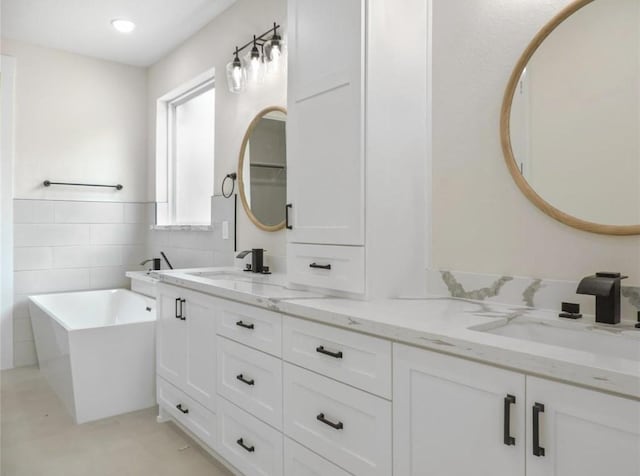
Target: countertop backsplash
x=518 y=290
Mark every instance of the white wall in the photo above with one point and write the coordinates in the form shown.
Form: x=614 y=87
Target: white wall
x=212 y=47
x=78 y=119
x=481 y=221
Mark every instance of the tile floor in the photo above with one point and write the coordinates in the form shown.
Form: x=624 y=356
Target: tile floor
x=39 y=438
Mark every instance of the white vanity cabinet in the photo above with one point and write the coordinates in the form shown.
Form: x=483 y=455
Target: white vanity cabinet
x=580 y=431
x=456 y=417
x=185 y=337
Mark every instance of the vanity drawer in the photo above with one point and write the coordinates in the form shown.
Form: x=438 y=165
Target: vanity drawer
x=252 y=326
x=325 y=266
x=188 y=412
x=299 y=461
x=347 y=426
x=356 y=359
x=250 y=445
x=251 y=379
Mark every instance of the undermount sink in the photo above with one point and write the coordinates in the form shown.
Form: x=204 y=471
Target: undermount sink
x=611 y=342
x=222 y=274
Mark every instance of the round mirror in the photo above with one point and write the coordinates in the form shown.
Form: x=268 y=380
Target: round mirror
x=262 y=169
x=570 y=124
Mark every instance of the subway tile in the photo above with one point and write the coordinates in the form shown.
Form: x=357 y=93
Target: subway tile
x=134 y=255
x=196 y=240
x=32 y=258
x=118 y=234
x=106 y=255
x=109 y=278
x=89 y=212
x=24 y=354
x=22 y=329
x=20 y=306
x=33 y=211
x=136 y=213
x=50 y=235
x=71 y=257
x=51 y=281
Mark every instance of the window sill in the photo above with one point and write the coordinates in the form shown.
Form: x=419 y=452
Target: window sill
x=181 y=227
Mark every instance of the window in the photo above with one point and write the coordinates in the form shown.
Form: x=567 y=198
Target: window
x=185 y=153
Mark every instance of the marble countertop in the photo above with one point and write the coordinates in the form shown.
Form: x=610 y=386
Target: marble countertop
x=441 y=324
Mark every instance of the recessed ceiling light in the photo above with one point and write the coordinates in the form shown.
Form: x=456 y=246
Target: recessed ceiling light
x=123 y=26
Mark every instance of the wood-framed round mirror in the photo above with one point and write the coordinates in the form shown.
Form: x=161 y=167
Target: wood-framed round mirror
x=262 y=169
x=570 y=119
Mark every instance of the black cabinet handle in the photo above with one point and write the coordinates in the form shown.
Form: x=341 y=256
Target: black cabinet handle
x=538 y=408
x=337 y=426
x=242 y=379
x=320 y=266
x=246 y=326
x=183 y=410
x=336 y=355
x=286 y=216
x=508 y=439
x=250 y=449
x=182 y=316
x=178 y=301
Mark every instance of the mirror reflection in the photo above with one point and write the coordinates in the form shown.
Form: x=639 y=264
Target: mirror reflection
x=262 y=169
x=575 y=115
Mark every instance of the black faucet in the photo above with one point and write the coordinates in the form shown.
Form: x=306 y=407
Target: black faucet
x=156 y=264
x=257 y=260
x=606 y=288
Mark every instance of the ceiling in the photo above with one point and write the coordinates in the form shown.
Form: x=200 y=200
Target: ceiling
x=84 y=26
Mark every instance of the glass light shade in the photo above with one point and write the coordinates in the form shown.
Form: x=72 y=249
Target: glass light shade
x=236 y=77
x=274 y=52
x=254 y=68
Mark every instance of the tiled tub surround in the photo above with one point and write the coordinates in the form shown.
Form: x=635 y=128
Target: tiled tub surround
x=539 y=293
x=71 y=246
x=440 y=323
x=191 y=246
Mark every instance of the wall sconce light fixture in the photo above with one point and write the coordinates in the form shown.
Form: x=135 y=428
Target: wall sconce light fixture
x=263 y=58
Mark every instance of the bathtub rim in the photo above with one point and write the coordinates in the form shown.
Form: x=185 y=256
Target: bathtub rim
x=33 y=300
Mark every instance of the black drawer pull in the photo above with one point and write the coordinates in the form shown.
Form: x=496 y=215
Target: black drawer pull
x=183 y=410
x=320 y=266
x=508 y=439
x=243 y=380
x=178 y=301
x=335 y=355
x=242 y=324
x=286 y=216
x=250 y=449
x=538 y=408
x=182 y=316
x=337 y=426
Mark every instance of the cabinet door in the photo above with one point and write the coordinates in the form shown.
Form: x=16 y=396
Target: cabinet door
x=581 y=431
x=199 y=312
x=325 y=126
x=170 y=336
x=450 y=414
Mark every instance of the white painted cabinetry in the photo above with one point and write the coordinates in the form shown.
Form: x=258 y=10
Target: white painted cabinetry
x=325 y=127
x=450 y=415
x=581 y=432
x=186 y=352
x=356 y=145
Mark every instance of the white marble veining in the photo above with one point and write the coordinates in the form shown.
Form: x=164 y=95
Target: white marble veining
x=444 y=324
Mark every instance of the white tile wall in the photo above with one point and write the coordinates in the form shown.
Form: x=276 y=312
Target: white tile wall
x=71 y=246
x=75 y=245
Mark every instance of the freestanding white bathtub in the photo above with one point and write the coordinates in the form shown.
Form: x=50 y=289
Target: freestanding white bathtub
x=97 y=350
